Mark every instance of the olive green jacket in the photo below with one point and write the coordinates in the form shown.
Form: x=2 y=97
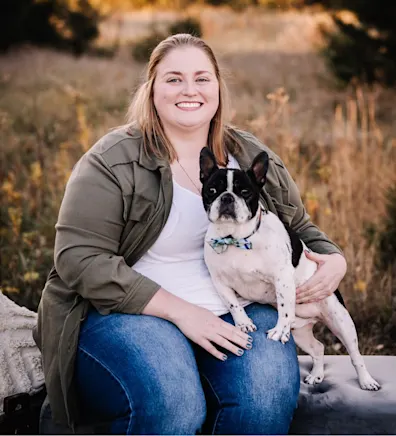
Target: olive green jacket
x=116 y=202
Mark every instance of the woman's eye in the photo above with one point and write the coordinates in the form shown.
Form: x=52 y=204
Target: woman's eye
x=245 y=192
x=212 y=190
x=173 y=80
x=202 y=79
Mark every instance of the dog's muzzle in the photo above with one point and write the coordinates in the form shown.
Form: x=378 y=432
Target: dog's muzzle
x=227 y=205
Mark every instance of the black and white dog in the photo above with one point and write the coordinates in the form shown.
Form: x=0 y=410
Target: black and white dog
x=249 y=251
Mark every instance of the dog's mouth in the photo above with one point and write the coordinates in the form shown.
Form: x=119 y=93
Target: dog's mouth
x=227 y=211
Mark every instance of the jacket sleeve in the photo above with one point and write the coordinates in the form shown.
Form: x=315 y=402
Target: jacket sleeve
x=314 y=238
x=88 y=231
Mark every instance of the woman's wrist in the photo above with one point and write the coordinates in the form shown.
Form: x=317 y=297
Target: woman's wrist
x=167 y=306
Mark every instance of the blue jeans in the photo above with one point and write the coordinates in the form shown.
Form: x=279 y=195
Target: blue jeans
x=143 y=376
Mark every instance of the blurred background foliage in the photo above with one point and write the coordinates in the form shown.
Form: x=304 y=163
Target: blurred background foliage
x=312 y=79
x=360 y=45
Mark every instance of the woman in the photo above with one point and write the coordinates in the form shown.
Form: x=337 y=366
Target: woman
x=129 y=321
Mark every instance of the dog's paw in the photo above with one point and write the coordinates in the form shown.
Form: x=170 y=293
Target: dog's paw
x=279 y=333
x=368 y=383
x=313 y=379
x=247 y=327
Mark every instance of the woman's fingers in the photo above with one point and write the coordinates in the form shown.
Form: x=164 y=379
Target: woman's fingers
x=234 y=334
x=226 y=344
x=210 y=348
x=228 y=337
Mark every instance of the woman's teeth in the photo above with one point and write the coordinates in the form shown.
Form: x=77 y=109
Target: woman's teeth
x=188 y=105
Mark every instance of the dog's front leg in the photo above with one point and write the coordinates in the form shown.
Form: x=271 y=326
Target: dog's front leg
x=238 y=313
x=286 y=300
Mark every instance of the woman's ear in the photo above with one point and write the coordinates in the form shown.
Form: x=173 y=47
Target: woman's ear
x=259 y=168
x=207 y=164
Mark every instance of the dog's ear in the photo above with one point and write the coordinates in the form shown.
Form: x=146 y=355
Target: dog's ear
x=259 y=168
x=207 y=164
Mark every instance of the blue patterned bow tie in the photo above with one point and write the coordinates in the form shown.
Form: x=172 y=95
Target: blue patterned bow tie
x=220 y=245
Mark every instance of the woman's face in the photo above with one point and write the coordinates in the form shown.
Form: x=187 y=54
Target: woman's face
x=186 y=90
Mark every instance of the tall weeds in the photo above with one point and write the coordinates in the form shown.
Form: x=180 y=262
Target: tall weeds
x=339 y=146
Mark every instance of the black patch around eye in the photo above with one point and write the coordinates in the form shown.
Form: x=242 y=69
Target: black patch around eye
x=246 y=192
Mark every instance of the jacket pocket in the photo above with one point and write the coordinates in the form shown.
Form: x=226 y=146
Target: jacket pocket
x=285 y=212
x=281 y=195
x=137 y=208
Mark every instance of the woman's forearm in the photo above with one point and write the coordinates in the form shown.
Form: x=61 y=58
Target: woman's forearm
x=166 y=305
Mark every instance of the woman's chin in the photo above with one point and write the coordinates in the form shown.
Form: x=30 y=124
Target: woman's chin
x=192 y=124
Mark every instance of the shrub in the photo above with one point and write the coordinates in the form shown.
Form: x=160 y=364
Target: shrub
x=365 y=49
x=387 y=234
x=142 y=50
x=188 y=25
x=53 y=23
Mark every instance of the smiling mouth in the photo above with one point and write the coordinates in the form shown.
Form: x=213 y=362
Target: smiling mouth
x=189 y=106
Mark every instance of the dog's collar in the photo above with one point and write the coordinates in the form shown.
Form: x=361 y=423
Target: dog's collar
x=220 y=245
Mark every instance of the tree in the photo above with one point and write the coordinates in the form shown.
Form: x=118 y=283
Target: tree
x=67 y=24
x=367 y=49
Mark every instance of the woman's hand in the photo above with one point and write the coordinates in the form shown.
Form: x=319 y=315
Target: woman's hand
x=200 y=325
x=330 y=272
x=207 y=330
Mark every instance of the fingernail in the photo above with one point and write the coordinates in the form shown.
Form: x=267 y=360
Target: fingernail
x=249 y=346
x=240 y=352
x=224 y=357
x=250 y=339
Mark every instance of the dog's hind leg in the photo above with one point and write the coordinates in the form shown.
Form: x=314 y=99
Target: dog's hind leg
x=339 y=321
x=304 y=338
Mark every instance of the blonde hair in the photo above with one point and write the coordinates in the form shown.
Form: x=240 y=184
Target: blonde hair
x=143 y=115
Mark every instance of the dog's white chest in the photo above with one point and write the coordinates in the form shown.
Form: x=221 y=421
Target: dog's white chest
x=244 y=271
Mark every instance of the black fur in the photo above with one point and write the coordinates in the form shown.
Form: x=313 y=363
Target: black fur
x=247 y=184
x=296 y=245
x=297 y=251
x=339 y=297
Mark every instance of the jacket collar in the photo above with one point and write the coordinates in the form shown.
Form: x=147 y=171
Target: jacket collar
x=151 y=162
x=244 y=157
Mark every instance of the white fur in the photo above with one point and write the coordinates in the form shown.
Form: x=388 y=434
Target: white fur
x=265 y=274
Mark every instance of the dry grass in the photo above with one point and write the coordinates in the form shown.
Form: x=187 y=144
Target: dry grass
x=340 y=146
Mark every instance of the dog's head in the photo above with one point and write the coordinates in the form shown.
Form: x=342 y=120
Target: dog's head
x=231 y=194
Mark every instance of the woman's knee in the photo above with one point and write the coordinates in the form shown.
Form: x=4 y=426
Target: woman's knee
x=267 y=409
x=262 y=385
x=272 y=407
x=165 y=407
x=174 y=409
x=143 y=378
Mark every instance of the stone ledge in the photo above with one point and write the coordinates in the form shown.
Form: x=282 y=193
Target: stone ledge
x=336 y=406
x=339 y=406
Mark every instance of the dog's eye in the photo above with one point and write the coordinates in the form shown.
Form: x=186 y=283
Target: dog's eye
x=245 y=192
x=212 y=191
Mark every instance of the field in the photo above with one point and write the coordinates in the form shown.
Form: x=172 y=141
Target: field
x=339 y=144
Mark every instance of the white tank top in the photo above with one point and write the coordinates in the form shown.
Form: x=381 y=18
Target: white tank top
x=176 y=259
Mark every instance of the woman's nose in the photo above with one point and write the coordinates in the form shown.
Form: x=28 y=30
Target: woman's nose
x=189 y=88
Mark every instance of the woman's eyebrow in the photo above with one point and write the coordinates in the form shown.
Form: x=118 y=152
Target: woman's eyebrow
x=178 y=73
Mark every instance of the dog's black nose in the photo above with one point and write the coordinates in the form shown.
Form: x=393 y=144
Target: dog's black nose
x=227 y=199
